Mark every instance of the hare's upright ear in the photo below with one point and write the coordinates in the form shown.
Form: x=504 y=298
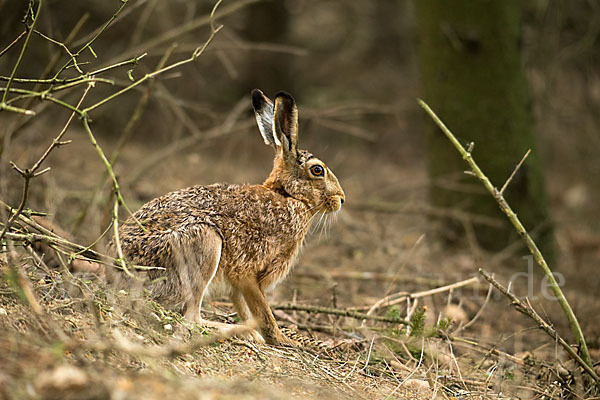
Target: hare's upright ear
x=285 y=120
x=263 y=110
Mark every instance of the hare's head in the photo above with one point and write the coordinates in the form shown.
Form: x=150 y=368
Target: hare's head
x=296 y=173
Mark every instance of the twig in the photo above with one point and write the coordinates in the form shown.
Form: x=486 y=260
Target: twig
x=12 y=131
x=65 y=48
x=73 y=250
x=127 y=131
x=197 y=53
x=93 y=39
x=438 y=212
x=84 y=77
x=512 y=216
x=514 y=172
x=367 y=276
x=525 y=308
x=115 y=224
x=20 y=58
x=109 y=168
x=33 y=172
x=393 y=298
x=484 y=349
x=13 y=43
x=478 y=314
x=336 y=311
x=194 y=24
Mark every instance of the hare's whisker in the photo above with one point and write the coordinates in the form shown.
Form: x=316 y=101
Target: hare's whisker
x=322 y=223
x=310 y=220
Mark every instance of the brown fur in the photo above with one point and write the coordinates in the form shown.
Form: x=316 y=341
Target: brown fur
x=242 y=237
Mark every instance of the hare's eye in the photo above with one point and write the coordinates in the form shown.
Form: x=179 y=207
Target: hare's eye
x=317 y=170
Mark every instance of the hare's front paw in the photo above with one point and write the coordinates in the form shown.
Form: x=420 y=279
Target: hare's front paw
x=252 y=335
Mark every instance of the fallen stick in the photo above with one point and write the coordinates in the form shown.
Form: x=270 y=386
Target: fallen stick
x=524 y=307
x=337 y=311
x=387 y=300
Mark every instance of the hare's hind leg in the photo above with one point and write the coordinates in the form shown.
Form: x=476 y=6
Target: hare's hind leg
x=197 y=255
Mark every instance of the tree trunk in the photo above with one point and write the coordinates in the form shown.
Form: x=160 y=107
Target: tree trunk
x=270 y=71
x=473 y=78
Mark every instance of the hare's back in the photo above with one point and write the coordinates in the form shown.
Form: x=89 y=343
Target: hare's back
x=226 y=208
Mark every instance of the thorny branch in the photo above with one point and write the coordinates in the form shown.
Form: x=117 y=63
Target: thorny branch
x=524 y=307
x=514 y=219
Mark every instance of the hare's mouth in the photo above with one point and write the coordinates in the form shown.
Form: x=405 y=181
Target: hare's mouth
x=334 y=204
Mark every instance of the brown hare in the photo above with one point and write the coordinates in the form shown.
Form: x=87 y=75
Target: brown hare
x=244 y=238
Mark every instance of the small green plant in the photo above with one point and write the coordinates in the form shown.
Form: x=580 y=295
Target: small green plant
x=393 y=312
x=417 y=322
x=509 y=375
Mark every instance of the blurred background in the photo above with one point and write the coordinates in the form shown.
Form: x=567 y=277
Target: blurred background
x=508 y=76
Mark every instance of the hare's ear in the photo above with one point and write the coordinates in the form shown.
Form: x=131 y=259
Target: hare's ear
x=263 y=110
x=285 y=121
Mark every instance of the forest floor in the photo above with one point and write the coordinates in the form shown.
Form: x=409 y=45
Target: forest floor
x=68 y=336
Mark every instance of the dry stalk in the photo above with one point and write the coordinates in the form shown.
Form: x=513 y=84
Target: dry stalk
x=33 y=302
x=175 y=349
x=478 y=314
x=531 y=245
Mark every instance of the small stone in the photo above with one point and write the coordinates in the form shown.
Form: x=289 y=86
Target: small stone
x=416 y=385
x=3 y=312
x=168 y=327
x=64 y=377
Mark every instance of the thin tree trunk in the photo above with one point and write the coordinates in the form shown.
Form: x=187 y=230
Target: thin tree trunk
x=472 y=76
